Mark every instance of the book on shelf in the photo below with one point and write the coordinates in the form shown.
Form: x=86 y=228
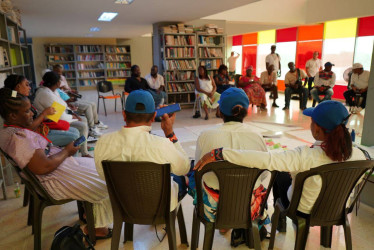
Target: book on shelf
x=68 y=66
x=125 y=65
x=116 y=50
x=57 y=58
x=83 y=66
x=88 y=48
x=179 y=64
x=90 y=58
x=91 y=74
x=88 y=82
x=3 y=76
x=180 y=52
x=180 y=76
x=211 y=63
x=2 y=61
x=6 y=57
x=11 y=30
x=210 y=40
x=13 y=57
x=117 y=57
x=210 y=52
x=171 y=40
x=119 y=73
x=180 y=87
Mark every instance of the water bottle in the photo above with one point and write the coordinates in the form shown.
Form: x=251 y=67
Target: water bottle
x=353 y=135
x=17 y=190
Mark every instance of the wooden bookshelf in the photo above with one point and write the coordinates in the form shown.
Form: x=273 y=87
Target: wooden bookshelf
x=86 y=65
x=211 y=51
x=178 y=56
x=13 y=46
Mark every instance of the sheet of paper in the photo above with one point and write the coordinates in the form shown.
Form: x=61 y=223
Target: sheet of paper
x=59 y=110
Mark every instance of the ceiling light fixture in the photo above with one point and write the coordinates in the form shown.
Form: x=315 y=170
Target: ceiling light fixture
x=124 y=1
x=107 y=16
x=95 y=29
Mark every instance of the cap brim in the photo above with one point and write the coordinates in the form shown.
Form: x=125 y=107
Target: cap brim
x=308 y=111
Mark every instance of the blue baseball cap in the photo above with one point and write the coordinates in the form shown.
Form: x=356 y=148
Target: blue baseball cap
x=230 y=98
x=329 y=64
x=328 y=114
x=140 y=97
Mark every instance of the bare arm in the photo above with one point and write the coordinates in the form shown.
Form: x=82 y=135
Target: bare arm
x=38 y=120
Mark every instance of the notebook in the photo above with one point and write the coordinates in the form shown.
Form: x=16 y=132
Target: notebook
x=59 y=110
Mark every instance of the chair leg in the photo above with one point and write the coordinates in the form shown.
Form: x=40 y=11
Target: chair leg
x=129 y=232
x=80 y=211
x=115 y=105
x=90 y=221
x=209 y=235
x=104 y=106
x=326 y=236
x=30 y=220
x=98 y=104
x=170 y=229
x=255 y=234
x=274 y=224
x=347 y=234
x=182 y=226
x=26 y=197
x=117 y=227
x=37 y=222
x=301 y=233
x=195 y=231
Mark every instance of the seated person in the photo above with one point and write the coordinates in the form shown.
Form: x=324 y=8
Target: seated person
x=222 y=79
x=134 y=142
x=87 y=108
x=294 y=85
x=135 y=82
x=233 y=133
x=359 y=85
x=205 y=89
x=59 y=137
x=63 y=176
x=268 y=82
x=157 y=86
x=324 y=82
x=47 y=94
x=328 y=127
x=250 y=83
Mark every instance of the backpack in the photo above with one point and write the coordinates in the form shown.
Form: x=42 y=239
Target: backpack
x=70 y=238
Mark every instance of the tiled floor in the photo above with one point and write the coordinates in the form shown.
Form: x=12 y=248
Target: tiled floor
x=292 y=129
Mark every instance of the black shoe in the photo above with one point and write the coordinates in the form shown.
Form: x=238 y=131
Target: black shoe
x=282 y=223
x=275 y=105
x=271 y=96
x=285 y=108
x=196 y=115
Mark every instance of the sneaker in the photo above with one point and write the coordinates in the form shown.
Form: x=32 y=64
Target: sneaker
x=196 y=115
x=91 y=139
x=101 y=125
x=95 y=132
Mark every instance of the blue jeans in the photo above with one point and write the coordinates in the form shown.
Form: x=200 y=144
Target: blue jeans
x=158 y=97
x=315 y=94
x=63 y=137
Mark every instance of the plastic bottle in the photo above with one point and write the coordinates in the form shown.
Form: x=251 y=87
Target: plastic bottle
x=17 y=190
x=353 y=135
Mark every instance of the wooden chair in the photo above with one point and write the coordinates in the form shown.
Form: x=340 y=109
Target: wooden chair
x=105 y=87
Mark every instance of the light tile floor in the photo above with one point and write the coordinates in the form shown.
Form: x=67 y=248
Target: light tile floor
x=292 y=128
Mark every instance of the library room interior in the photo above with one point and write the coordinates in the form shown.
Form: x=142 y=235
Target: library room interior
x=215 y=124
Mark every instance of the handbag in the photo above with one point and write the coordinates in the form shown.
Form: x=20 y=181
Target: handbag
x=60 y=125
x=71 y=238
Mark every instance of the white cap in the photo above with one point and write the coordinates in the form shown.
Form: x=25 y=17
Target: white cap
x=357 y=66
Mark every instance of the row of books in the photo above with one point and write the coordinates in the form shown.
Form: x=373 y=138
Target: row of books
x=81 y=66
x=91 y=74
x=88 y=82
x=210 y=40
x=68 y=66
x=180 y=87
x=59 y=49
x=178 y=28
x=69 y=75
x=179 y=64
x=11 y=30
x=119 y=73
x=126 y=65
x=56 y=58
x=88 y=48
x=4 y=59
x=116 y=50
x=171 y=40
x=90 y=58
x=179 y=76
x=211 y=64
x=210 y=52
x=117 y=58
x=180 y=52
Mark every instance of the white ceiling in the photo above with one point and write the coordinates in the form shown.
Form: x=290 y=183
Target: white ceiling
x=74 y=18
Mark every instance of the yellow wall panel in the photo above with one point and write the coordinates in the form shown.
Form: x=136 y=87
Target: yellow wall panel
x=341 y=28
x=267 y=36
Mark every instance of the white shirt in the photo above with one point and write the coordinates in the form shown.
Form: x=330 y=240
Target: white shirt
x=234 y=135
x=300 y=159
x=273 y=59
x=313 y=66
x=137 y=144
x=360 y=81
x=206 y=85
x=155 y=83
x=232 y=62
x=291 y=78
x=265 y=78
x=318 y=82
x=44 y=98
x=63 y=82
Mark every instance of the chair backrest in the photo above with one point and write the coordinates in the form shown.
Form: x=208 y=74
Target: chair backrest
x=236 y=185
x=104 y=87
x=338 y=181
x=236 y=79
x=139 y=190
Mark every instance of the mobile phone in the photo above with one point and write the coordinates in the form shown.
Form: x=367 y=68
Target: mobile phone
x=79 y=141
x=168 y=110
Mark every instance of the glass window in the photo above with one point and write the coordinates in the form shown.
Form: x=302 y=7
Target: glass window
x=267 y=36
x=364 y=51
x=262 y=51
x=340 y=28
x=310 y=32
x=366 y=26
x=339 y=52
x=286 y=35
x=287 y=53
x=249 y=58
x=238 y=49
x=250 y=39
x=305 y=50
x=237 y=40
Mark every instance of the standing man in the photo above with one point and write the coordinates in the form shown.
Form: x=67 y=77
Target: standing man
x=135 y=82
x=324 y=81
x=294 y=85
x=268 y=82
x=274 y=59
x=313 y=66
x=359 y=86
x=157 y=86
x=232 y=63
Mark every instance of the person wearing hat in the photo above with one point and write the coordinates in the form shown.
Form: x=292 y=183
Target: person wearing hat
x=324 y=82
x=274 y=59
x=294 y=85
x=233 y=133
x=359 y=85
x=134 y=142
x=328 y=127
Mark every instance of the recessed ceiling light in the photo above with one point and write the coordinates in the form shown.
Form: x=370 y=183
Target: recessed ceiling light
x=94 y=29
x=107 y=16
x=124 y=1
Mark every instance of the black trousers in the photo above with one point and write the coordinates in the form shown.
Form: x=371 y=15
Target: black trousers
x=310 y=82
x=349 y=94
x=280 y=188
